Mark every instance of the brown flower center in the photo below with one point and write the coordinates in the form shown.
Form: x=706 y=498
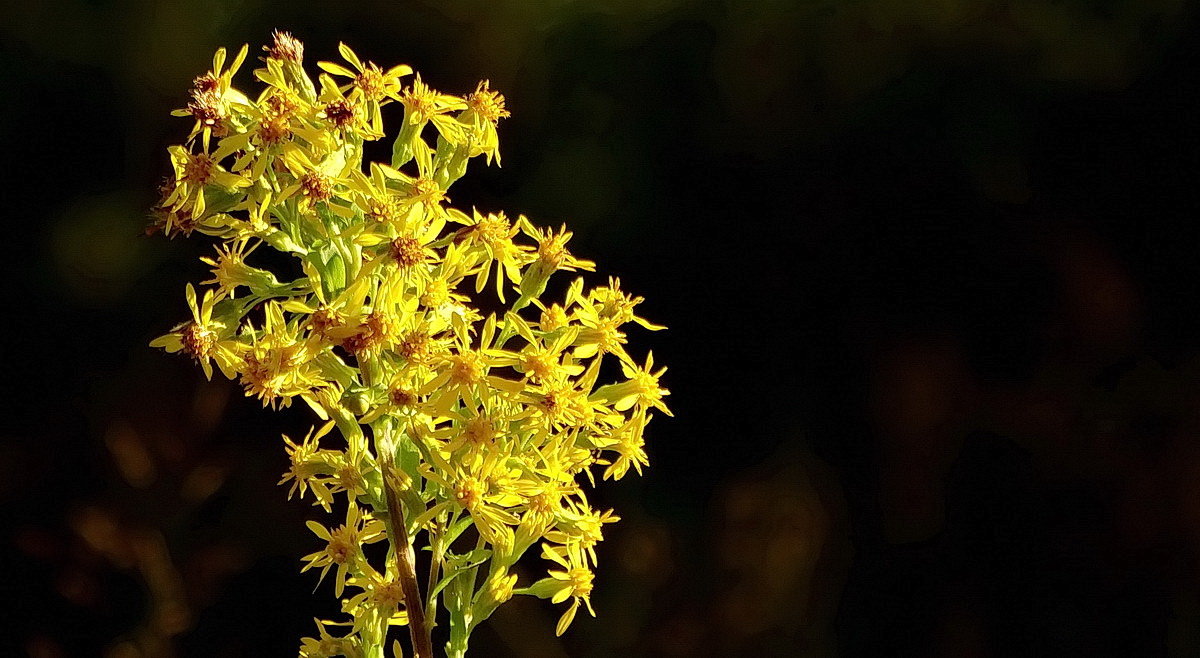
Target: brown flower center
x=316 y=186
x=197 y=341
x=340 y=113
x=285 y=47
x=407 y=251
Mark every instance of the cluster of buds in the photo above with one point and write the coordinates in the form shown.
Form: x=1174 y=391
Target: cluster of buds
x=472 y=437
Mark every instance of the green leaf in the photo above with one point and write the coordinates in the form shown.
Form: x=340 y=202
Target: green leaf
x=334 y=274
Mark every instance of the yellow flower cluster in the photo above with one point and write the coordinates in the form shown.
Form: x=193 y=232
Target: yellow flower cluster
x=466 y=433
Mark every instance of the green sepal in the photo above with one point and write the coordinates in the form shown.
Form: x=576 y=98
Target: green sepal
x=543 y=589
x=402 y=151
x=472 y=560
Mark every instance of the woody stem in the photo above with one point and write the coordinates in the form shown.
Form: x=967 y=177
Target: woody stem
x=406 y=568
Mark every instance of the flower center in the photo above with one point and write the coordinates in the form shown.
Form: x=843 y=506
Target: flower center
x=581 y=581
x=341 y=546
x=469 y=493
x=340 y=113
x=479 y=431
x=402 y=397
x=197 y=340
x=466 y=368
x=427 y=190
x=286 y=47
x=407 y=251
x=487 y=103
x=316 y=186
x=415 y=347
x=389 y=594
x=370 y=82
x=198 y=168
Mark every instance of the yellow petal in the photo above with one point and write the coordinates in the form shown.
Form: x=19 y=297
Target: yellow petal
x=350 y=56
x=566 y=619
x=336 y=69
x=318 y=529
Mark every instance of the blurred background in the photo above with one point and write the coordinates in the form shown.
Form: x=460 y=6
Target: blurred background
x=930 y=271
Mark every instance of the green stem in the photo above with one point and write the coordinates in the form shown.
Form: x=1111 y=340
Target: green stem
x=435 y=563
x=460 y=632
x=374 y=639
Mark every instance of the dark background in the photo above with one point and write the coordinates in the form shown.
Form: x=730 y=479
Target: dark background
x=930 y=272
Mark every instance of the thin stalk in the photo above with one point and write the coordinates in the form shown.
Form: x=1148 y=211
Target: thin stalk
x=435 y=563
x=406 y=568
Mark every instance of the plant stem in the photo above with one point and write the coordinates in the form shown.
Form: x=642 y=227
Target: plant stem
x=435 y=561
x=406 y=568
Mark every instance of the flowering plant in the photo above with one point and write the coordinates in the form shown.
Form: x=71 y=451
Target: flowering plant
x=468 y=436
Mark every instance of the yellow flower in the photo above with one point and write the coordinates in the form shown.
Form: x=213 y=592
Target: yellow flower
x=378 y=204
x=369 y=83
x=573 y=582
x=401 y=400
x=202 y=338
x=552 y=255
x=229 y=269
x=479 y=493
x=348 y=115
x=579 y=525
x=561 y=406
x=600 y=335
x=543 y=358
x=306 y=462
x=476 y=433
x=464 y=374
x=543 y=501
x=278 y=365
x=313 y=183
x=492 y=234
x=344 y=546
x=212 y=94
x=610 y=303
x=423 y=104
x=641 y=389
x=552 y=251
x=464 y=419
x=193 y=173
x=329 y=646
x=553 y=317
x=272 y=123
x=380 y=600
x=484 y=109
x=629 y=445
